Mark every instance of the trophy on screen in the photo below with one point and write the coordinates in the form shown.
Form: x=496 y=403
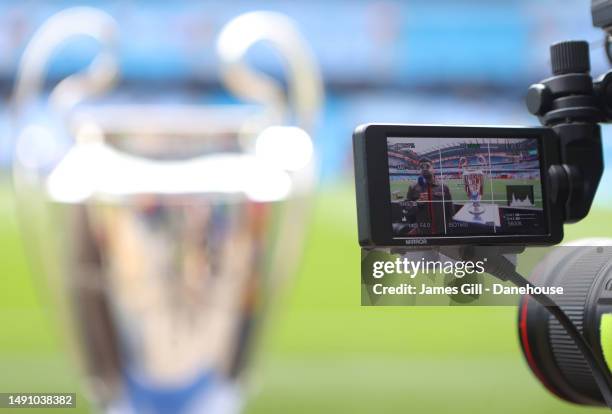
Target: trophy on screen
x=164 y=229
x=473 y=180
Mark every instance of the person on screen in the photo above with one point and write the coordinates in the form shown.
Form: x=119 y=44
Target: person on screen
x=432 y=204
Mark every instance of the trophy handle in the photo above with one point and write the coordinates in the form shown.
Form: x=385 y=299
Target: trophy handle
x=97 y=78
x=305 y=93
x=300 y=106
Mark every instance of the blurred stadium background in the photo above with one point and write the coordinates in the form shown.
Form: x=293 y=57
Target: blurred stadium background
x=382 y=61
x=499 y=162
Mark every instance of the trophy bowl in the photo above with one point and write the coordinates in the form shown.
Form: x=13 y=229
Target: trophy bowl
x=163 y=231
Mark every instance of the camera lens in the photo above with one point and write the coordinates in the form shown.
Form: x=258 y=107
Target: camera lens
x=585 y=273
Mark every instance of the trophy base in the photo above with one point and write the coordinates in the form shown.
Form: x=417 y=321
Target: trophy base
x=485 y=214
x=477 y=213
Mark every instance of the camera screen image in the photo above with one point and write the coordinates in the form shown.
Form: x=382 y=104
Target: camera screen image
x=465 y=186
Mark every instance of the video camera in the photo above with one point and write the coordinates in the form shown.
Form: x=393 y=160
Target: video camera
x=481 y=191
x=488 y=185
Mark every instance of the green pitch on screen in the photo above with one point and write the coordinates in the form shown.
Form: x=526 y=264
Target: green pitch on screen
x=493 y=194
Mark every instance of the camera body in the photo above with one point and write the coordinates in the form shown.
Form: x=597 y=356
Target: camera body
x=519 y=184
x=419 y=185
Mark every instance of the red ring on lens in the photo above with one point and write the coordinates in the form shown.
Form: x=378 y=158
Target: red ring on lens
x=531 y=361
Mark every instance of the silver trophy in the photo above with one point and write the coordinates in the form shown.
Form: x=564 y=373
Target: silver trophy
x=473 y=181
x=163 y=231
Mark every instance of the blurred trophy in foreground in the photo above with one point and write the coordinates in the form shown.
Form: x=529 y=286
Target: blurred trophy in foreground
x=473 y=181
x=163 y=230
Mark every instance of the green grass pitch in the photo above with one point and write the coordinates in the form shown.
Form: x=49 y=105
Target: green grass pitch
x=321 y=352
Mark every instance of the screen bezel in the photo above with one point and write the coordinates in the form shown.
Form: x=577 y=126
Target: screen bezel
x=375 y=216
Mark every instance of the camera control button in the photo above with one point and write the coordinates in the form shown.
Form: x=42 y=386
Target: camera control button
x=538 y=99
